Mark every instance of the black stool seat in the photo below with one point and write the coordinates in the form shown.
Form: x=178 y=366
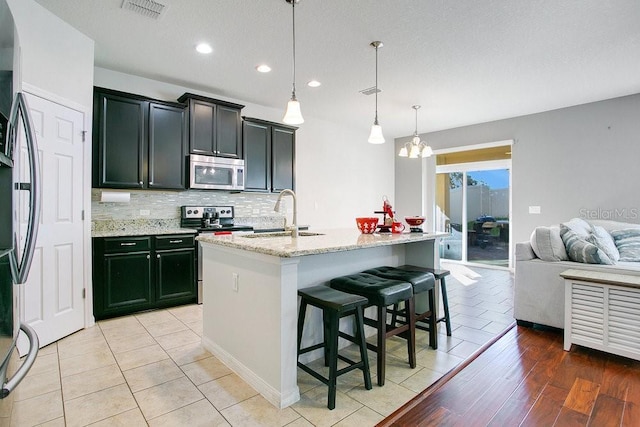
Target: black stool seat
x=326 y=297
x=422 y=282
x=383 y=292
x=379 y=291
x=439 y=275
x=334 y=305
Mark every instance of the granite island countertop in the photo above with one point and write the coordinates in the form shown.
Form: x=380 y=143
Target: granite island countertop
x=316 y=242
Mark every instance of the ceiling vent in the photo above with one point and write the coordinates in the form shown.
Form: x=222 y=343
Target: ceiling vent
x=370 y=90
x=148 y=8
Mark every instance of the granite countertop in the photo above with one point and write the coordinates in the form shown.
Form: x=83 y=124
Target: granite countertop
x=144 y=231
x=335 y=240
x=137 y=227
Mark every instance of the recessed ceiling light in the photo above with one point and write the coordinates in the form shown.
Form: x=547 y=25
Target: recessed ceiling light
x=263 y=68
x=314 y=83
x=204 y=48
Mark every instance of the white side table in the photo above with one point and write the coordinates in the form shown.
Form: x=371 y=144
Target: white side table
x=602 y=311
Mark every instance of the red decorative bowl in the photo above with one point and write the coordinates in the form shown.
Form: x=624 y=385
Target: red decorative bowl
x=367 y=225
x=414 y=221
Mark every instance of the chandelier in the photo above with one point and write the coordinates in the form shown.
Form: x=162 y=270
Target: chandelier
x=415 y=148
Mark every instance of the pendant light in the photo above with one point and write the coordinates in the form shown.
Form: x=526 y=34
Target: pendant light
x=293 y=116
x=415 y=148
x=376 y=137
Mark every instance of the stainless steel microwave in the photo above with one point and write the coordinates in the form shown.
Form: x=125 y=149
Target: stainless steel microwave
x=216 y=173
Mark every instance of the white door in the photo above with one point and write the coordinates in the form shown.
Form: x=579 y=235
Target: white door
x=52 y=300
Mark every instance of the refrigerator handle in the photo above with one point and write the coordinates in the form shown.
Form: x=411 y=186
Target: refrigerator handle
x=21 y=107
x=34 y=345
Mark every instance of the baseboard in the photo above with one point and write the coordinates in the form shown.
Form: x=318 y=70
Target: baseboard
x=272 y=395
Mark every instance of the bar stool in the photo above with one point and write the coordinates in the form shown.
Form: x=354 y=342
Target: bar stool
x=421 y=281
x=383 y=292
x=439 y=275
x=334 y=305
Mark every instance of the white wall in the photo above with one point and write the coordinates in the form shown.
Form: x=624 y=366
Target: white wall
x=54 y=57
x=338 y=174
x=579 y=161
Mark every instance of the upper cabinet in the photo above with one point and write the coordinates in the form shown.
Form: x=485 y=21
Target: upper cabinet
x=138 y=142
x=215 y=126
x=269 y=155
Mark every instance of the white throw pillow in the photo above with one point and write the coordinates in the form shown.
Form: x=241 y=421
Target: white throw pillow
x=547 y=244
x=604 y=241
x=578 y=225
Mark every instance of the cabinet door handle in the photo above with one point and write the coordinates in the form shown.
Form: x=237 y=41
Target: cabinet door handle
x=148 y=256
x=128 y=244
x=158 y=256
x=175 y=241
x=140 y=183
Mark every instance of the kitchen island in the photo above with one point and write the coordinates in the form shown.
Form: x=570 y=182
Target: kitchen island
x=250 y=297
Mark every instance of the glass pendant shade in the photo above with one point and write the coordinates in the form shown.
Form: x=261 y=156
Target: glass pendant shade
x=376 y=137
x=414 y=152
x=403 y=152
x=427 y=151
x=293 y=116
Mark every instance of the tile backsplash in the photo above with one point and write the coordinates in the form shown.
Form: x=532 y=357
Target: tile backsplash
x=254 y=209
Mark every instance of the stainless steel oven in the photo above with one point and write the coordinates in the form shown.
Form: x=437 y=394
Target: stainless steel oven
x=215 y=173
x=210 y=219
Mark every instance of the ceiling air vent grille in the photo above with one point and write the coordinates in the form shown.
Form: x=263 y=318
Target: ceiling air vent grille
x=370 y=90
x=148 y=8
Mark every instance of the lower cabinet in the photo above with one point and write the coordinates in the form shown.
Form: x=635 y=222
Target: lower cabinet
x=138 y=273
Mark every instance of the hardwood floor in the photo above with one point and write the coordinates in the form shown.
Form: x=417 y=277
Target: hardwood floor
x=527 y=379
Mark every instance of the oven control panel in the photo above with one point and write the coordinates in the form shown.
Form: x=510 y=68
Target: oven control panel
x=197 y=212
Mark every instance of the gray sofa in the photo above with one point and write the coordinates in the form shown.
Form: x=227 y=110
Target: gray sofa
x=538 y=287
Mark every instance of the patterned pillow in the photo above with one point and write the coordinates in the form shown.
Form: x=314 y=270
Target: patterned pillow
x=603 y=240
x=628 y=243
x=580 y=250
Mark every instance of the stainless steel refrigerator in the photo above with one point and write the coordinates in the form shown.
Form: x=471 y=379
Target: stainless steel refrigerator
x=17 y=150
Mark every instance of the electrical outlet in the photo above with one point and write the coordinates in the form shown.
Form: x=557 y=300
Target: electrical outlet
x=145 y=212
x=534 y=209
x=234 y=286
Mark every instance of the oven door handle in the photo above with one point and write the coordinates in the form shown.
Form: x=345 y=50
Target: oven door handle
x=21 y=373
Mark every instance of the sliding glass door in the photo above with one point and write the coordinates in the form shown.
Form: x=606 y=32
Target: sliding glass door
x=473 y=204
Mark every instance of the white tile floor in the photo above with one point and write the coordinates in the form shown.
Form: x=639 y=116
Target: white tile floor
x=150 y=369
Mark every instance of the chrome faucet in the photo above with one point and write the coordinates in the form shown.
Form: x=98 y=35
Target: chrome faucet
x=294 y=225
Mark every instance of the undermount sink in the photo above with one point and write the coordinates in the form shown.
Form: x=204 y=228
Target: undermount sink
x=281 y=234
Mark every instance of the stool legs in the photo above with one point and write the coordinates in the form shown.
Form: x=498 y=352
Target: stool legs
x=333 y=358
x=409 y=334
x=445 y=303
x=362 y=343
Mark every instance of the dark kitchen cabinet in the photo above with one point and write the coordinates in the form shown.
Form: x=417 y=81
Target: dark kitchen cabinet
x=269 y=150
x=215 y=126
x=137 y=273
x=138 y=142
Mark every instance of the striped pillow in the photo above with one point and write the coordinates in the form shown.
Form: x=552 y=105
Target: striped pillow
x=580 y=250
x=627 y=241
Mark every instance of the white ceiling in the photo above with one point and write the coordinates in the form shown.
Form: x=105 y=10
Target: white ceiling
x=464 y=61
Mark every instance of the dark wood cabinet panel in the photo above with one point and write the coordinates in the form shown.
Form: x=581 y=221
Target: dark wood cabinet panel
x=176 y=276
x=127 y=283
x=228 y=132
x=201 y=121
x=120 y=127
x=269 y=150
x=257 y=167
x=214 y=126
x=167 y=141
x=142 y=272
x=282 y=159
x=138 y=142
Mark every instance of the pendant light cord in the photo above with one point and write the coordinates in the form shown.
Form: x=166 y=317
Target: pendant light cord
x=293 y=13
x=376 y=119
